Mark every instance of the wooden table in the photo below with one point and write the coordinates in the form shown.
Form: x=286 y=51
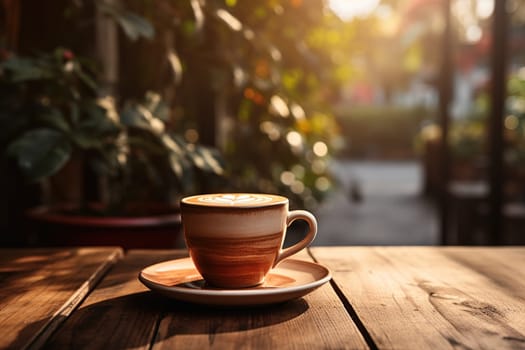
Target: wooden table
x=379 y=298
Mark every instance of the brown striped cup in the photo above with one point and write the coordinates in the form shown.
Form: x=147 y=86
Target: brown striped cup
x=234 y=239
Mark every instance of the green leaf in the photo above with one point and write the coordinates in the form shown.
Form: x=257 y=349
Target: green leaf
x=106 y=162
x=74 y=113
x=183 y=170
x=97 y=119
x=84 y=139
x=179 y=165
x=94 y=128
x=207 y=159
x=133 y=25
x=23 y=69
x=140 y=117
x=172 y=145
x=157 y=107
x=41 y=152
x=86 y=79
x=132 y=116
x=54 y=118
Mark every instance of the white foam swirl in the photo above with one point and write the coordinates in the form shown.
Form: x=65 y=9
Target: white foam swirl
x=234 y=199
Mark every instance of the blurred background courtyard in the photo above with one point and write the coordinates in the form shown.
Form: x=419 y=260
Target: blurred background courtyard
x=379 y=203
x=397 y=122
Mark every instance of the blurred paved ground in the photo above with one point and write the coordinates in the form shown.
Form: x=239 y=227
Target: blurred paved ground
x=391 y=211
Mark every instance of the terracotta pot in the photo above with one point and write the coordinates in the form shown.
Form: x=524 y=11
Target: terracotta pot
x=56 y=226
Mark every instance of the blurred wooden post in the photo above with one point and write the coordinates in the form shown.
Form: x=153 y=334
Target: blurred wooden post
x=107 y=51
x=11 y=26
x=445 y=93
x=498 y=94
x=205 y=104
x=106 y=34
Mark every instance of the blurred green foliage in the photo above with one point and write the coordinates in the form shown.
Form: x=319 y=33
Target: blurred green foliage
x=515 y=121
x=255 y=79
x=258 y=74
x=50 y=113
x=281 y=116
x=369 y=131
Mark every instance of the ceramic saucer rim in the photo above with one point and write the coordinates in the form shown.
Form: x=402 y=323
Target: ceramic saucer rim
x=182 y=288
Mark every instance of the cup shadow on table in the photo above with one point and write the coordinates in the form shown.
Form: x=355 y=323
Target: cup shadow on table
x=140 y=319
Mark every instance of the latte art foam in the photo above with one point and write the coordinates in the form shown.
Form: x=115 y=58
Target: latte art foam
x=235 y=200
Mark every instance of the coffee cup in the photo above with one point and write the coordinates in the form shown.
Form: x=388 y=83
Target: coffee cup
x=235 y=239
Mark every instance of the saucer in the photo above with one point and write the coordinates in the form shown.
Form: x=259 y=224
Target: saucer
x=179 y=279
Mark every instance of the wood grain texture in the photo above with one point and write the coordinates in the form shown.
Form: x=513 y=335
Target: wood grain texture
x=42 y=287
x=433 y=298
x=121 y=313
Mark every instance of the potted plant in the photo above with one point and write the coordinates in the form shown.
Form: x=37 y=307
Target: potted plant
x=56 y=126
x=230 y=77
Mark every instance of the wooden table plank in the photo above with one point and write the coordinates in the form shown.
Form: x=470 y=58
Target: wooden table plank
x=41 y=287
x=120 y=313
x=123 y=313
x=501 y=272
x=429 y=297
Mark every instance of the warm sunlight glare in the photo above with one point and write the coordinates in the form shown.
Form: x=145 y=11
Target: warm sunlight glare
x=484 y=8
x=348 y=9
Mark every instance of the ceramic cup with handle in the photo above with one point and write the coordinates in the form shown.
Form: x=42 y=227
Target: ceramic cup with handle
x=235 y=239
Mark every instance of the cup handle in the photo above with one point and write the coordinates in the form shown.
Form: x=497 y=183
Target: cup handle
x=310 y=235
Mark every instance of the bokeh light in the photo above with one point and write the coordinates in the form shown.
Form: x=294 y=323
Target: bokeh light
x=297 y=187
x=279 y=107
x=271 y=130
x=318 y=166
x=298 y=170
x=297 y=111
x=511 y=122
x=320 y=149
x=348 y=9
x=322 y=184
x=287 y=177
x=294 y=139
